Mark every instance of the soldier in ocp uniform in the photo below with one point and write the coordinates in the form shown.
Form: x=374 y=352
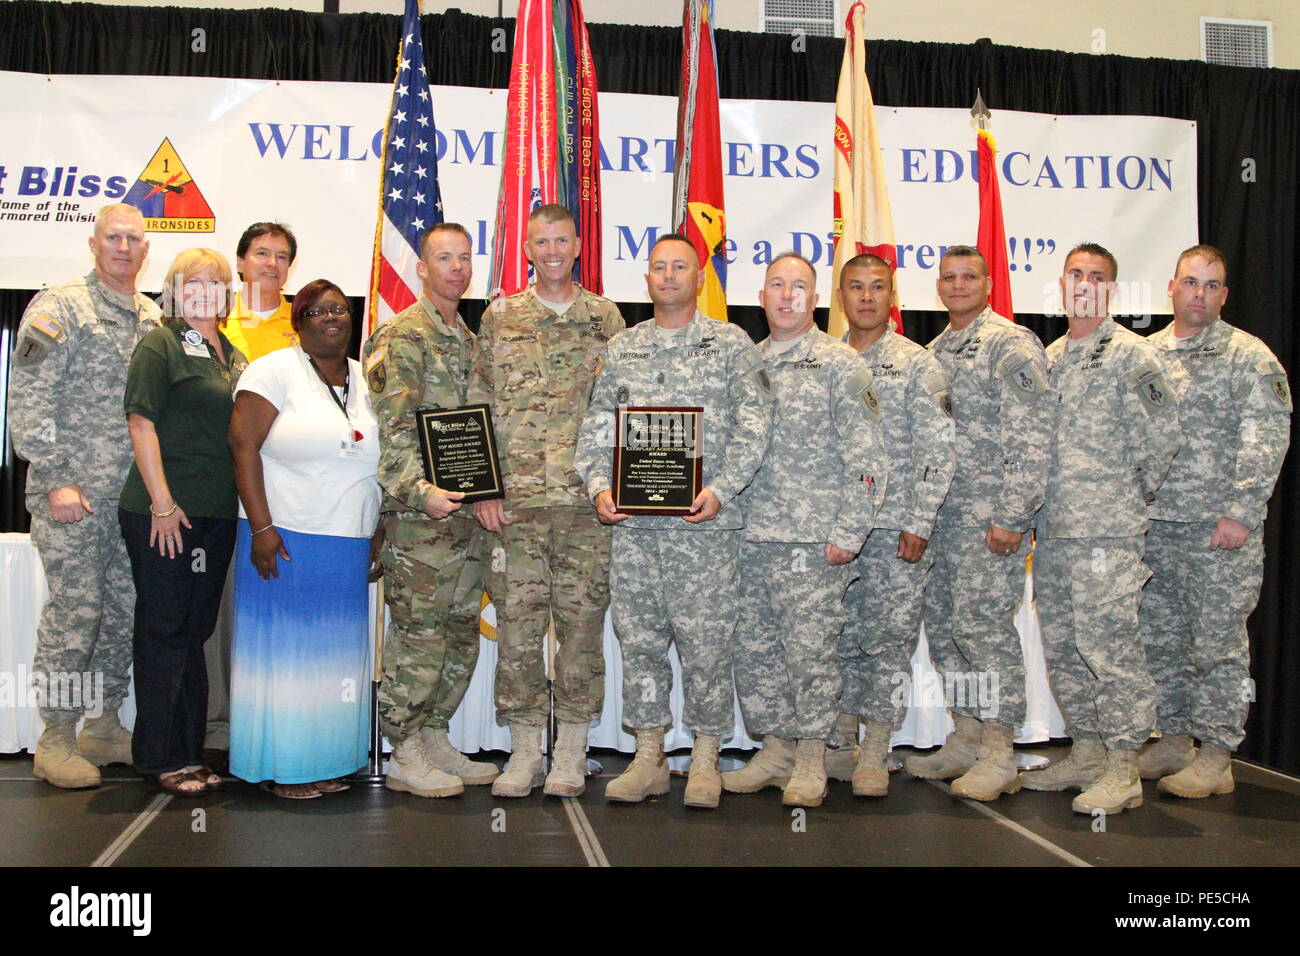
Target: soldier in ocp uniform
x=677 y=577
x=884 y=602
x=1205 y=544
x=65 y=399
x=1116 y=431
x=420 y=358
x=1000 y=402
x=535 y=362
x=807 y=512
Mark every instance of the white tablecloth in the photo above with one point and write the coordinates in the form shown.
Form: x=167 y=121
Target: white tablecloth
x=474 y=726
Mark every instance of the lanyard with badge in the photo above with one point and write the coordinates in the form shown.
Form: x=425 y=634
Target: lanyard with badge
x=350 y=444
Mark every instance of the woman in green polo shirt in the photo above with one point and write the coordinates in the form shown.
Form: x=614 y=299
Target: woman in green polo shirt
x=177 y=512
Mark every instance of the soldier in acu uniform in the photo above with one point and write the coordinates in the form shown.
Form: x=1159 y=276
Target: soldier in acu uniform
x=1116 y=431
x=65 y=399
x=420 y=358
x=1205 y=544
x=1000 y=404
x=677 y=577
x=807 y=513
x=884 y=602
x=534 y=362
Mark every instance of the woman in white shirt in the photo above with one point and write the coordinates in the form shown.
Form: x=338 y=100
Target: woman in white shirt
x=306 y=450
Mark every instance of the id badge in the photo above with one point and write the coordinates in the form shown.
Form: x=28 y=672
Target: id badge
x=193 y=345
x=350 y=445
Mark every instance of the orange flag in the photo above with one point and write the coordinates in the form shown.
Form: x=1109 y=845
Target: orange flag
x=992 y=236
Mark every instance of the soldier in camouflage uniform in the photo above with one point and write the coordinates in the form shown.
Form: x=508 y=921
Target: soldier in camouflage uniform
x=420 y=358
x=1205 y=542
x=534 y=362
x=1116 y=431
x=677 y=577
x=884 y=602
x=1001 y=411
x=807 y=512
x=65 y=399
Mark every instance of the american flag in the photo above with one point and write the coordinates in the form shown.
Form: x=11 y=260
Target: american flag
x=410 y=200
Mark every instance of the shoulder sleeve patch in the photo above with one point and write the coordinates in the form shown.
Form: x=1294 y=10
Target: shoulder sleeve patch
x=1149 y=381
x=376 y=376
x=936 y=384
x=750 y=363
x=1275 y=383
x=38 y=339
x=861 y=389
x=1022 y=373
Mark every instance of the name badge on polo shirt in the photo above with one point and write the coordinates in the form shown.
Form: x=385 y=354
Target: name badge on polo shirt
x=193 y=344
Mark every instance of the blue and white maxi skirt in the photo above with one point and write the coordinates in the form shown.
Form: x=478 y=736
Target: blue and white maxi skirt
x=300 y=662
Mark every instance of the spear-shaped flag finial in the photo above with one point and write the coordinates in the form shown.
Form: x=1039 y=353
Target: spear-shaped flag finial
x=979 y=110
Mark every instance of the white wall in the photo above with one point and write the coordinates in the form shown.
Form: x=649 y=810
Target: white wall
x=1147 y=28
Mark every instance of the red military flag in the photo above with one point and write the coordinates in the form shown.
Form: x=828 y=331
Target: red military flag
x=992 y=236
x=862 y=219
x=699 y=210
x=552 y=140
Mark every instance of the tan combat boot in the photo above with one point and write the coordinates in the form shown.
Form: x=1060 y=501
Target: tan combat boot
x=450 y=760
x=1209 y=773
x=807 y=786
x=568 y=776
x=524 y=770
x=770 y=768
x=1119 y=787
x=957 y=755
x=704 y=783
x=103 y=740
x=1169 y=754
x=842 y=759
x=646 y=775
x=994 y=772
x=58 y=762
x=871 y=775
x=409 y=771
x=1083 y=765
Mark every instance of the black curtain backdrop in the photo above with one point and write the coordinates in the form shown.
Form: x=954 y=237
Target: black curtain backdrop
x=1244 y=116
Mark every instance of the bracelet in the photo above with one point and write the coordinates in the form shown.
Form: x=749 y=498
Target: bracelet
x=260 y=530
x=165 y=514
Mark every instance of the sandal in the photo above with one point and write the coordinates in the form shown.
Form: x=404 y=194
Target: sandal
x=174 y=783
x=280 y=790
x=331 y=786
x=209 y=776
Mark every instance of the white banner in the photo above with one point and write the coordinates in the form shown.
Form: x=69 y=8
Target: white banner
x=206 y=157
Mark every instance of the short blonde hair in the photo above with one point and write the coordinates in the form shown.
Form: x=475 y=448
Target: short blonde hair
x=117 y=209
x=187 y=264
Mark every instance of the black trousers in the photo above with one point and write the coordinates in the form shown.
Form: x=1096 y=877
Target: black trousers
x=176 y=605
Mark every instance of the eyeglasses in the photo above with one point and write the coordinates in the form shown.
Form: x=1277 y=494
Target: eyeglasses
x=338 y=311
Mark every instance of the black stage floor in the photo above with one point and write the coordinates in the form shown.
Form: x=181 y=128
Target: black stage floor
x=122 y=824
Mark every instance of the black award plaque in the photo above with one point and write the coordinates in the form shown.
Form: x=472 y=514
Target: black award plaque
x=658 y=467
x=459 y=449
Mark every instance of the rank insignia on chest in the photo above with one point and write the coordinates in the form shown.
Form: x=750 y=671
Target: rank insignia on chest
x=622 y=395
x=660 y=378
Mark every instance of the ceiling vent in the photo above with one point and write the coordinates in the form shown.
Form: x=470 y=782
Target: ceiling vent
x=819 y=18
x=1237 y=42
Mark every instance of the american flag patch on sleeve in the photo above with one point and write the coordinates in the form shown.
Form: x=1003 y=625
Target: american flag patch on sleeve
x=47 y=325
